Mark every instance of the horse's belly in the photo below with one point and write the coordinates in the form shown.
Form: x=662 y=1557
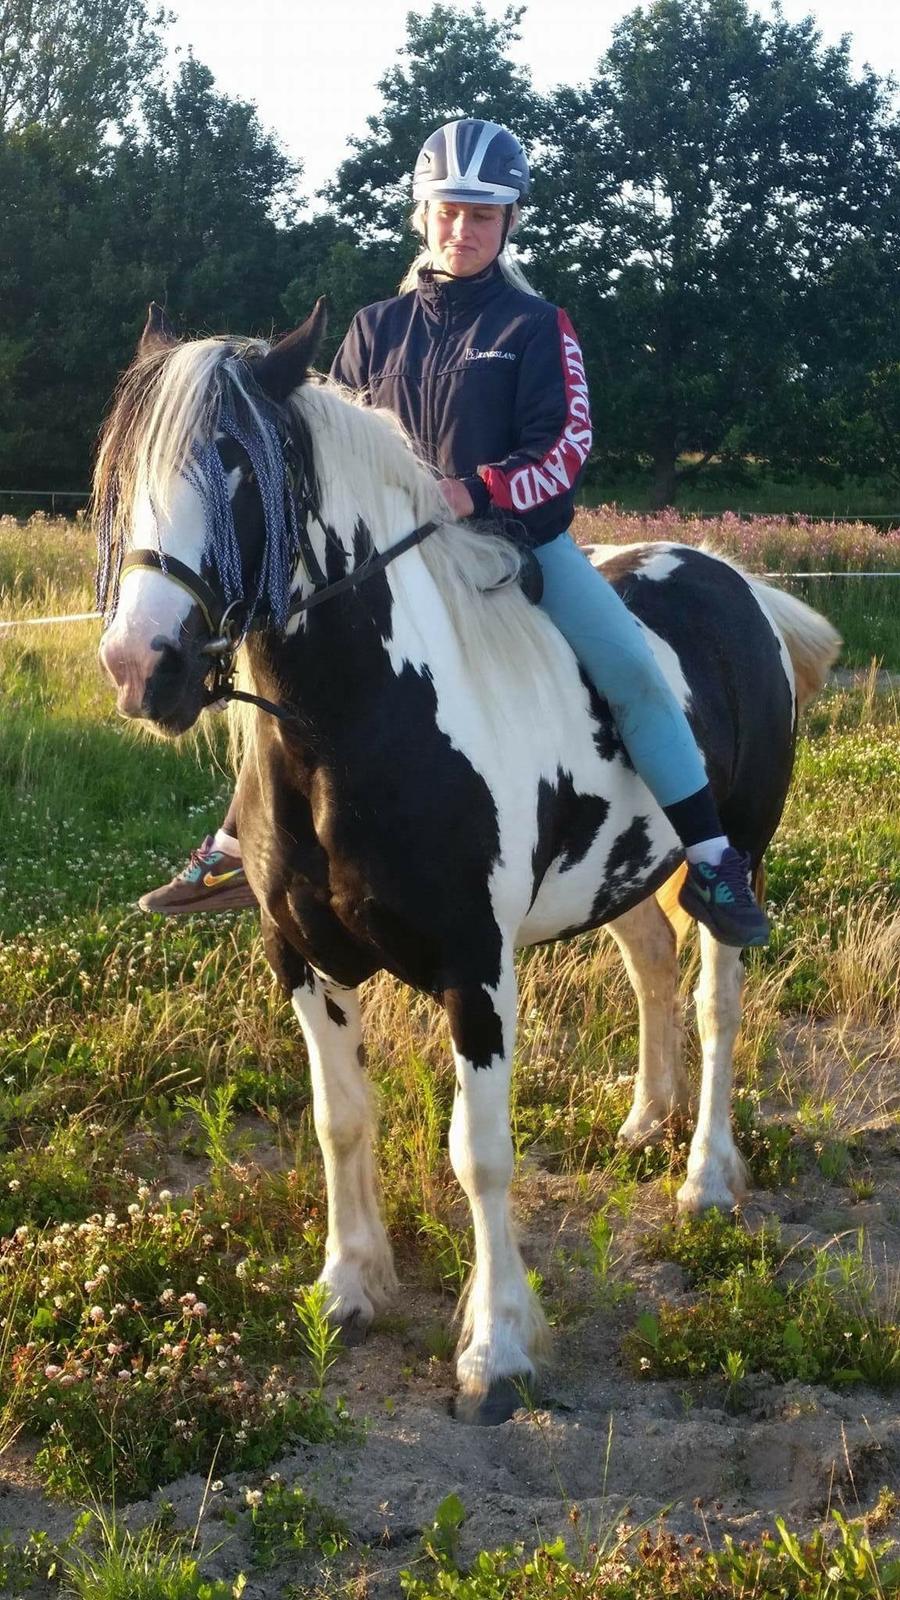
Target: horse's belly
x=633 y=851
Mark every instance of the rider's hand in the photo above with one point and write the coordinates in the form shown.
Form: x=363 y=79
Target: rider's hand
x=457 y=497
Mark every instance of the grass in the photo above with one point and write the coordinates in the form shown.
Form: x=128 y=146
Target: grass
x=153 y=1299
x=826 y=1326
x=647 y=1564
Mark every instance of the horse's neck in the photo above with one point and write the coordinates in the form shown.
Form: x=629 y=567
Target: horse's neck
x=352 y=650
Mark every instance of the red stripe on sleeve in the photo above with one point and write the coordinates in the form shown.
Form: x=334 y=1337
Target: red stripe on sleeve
x=535 y=482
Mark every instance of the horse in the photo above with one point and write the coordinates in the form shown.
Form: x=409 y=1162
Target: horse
x=439 y=783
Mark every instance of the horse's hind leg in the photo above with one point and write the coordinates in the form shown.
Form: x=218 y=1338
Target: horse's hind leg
x=647 y=942
x=716 y=1174
x=504 y=1332
x=359 y=1268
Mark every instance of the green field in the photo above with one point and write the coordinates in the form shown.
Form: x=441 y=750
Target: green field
x=161 y=1200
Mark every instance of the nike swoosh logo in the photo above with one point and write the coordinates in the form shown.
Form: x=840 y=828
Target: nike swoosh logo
x=213 y=880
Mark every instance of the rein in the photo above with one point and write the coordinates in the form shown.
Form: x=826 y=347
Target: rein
x=223 y=621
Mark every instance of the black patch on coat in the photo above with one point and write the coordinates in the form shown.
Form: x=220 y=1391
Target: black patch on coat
x=476 y=1029
x=371 y=838
x=337 y=1016
x=741 y=705
x=567 y=825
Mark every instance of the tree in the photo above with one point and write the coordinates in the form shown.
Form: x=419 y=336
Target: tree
x=453 y=64
x=693 y=196
x=195 y=207
x=74 y=66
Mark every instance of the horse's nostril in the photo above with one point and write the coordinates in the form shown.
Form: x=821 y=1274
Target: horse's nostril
x=171 y=662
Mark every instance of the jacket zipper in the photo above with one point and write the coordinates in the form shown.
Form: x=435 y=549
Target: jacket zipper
x=430 y=385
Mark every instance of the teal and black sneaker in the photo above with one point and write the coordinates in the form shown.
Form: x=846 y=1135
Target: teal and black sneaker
x=722 y=899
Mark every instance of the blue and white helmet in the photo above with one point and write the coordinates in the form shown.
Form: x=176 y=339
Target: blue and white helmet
x=470 y=161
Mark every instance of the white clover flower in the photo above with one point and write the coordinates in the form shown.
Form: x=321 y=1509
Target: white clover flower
x=97 y=1315
x=253 y=1497
x=14 y=1185
x=164 y=1196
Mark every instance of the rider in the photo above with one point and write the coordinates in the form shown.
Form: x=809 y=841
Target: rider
x=479 y=368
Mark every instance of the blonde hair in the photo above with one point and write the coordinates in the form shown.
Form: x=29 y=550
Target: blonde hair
x=506 y=261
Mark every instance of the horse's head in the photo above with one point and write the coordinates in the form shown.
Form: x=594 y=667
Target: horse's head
x=196 y=514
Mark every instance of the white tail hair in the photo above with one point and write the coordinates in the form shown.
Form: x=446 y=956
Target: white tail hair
x=812 y=643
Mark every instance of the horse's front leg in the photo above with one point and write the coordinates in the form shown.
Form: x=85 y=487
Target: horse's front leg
x=504 y=1332
x=359 y=1268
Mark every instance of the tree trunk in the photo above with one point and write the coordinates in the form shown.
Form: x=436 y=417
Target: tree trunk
x=665 y=457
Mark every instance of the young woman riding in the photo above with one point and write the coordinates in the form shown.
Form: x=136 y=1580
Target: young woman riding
x=488 y=379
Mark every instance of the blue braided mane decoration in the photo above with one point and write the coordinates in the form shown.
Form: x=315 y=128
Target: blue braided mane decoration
x=259 y=436
x=252 y=422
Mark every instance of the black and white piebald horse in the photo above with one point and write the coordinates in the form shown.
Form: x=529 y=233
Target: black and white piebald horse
x=448 y=787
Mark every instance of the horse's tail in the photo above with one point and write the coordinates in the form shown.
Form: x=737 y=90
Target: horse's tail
x=812 y=643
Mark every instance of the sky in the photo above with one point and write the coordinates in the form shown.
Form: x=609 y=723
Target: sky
x=311 y=69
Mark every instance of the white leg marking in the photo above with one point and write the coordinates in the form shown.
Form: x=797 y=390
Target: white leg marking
x=716 y=1174
x=647 y=943
x=359 y=1268
x=504 y=1332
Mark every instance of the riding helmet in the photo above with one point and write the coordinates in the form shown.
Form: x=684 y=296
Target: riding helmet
x=470 y=161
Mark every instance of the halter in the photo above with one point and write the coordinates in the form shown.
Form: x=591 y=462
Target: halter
x=227 y=622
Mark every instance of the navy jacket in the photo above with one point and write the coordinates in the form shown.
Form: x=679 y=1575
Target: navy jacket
x=489 y=382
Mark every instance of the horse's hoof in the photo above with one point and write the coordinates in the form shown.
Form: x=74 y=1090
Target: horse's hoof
x=353 y=1328
x=693 y=1199
x=497 y=1403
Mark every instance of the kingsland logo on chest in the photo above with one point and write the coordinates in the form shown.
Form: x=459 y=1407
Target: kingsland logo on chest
x=490 y=355
x=532 y=485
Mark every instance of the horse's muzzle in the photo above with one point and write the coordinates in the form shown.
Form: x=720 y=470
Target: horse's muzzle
x=163 y=686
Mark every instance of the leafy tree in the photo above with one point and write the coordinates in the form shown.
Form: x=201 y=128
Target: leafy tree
x=717 y=166
x=328 y=260
x=74 y=66
x=453 y=64
x=192 y=209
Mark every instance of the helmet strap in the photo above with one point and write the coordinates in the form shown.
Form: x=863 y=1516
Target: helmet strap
x=507 y=224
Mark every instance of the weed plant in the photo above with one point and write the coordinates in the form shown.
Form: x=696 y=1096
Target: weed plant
x=824 y=1327
x=142 y=1347
x=842 y=1564
x=285 y=1521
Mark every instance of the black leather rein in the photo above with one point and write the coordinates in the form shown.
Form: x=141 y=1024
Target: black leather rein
x=225 y=629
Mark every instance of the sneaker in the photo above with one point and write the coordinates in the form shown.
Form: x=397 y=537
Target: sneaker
x=211 y=881
x=722 y=899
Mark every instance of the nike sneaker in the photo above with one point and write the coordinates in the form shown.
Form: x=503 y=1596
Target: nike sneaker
x=722 y=899
x=211 y=881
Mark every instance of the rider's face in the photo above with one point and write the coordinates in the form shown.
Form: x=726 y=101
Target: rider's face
x=463 y=239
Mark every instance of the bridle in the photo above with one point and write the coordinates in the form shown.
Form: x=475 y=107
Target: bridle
x=228 y=624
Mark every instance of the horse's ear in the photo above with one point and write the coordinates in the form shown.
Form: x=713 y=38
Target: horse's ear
x=286 y=366
x=158 y=330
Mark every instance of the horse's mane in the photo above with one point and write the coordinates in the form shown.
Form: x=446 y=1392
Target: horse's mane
x=360 y=459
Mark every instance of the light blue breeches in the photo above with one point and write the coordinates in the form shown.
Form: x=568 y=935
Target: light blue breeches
x=616 y=657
